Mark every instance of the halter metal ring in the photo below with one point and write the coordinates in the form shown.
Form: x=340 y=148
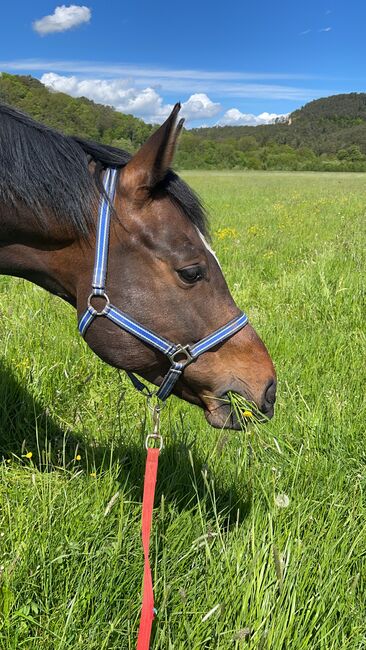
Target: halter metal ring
x=103 y=311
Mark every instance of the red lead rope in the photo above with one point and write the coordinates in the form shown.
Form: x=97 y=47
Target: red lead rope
x=147 y=611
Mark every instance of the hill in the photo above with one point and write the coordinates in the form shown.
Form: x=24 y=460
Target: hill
x=326 y=134
x=325 y=125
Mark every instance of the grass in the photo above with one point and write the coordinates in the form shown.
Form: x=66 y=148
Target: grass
x=259 y=538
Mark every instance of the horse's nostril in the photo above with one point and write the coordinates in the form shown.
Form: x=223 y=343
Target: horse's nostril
x=270 y=394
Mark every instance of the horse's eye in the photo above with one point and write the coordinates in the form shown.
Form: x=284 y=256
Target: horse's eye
x=191 y=274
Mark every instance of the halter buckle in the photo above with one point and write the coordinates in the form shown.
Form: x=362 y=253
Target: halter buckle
x=181 y=350
x=105 y=309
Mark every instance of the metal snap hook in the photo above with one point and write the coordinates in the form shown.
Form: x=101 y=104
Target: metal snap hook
x=155 y=435
x=152 y=403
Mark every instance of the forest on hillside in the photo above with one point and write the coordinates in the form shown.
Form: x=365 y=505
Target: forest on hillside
x=325 y=135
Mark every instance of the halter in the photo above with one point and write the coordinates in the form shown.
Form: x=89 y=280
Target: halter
x=180 y=356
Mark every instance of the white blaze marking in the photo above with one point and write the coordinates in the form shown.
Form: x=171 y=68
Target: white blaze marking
x=207 y=246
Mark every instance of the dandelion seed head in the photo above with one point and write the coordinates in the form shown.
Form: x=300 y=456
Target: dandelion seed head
x=282 y=501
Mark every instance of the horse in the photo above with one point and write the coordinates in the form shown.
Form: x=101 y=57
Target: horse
x=161 y=268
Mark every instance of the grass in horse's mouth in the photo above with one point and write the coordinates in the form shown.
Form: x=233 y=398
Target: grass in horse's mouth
x=245 y=411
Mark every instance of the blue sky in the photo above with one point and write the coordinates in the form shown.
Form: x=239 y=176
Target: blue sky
x=237 y=63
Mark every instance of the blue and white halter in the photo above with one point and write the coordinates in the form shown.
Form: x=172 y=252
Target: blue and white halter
x=180 y=356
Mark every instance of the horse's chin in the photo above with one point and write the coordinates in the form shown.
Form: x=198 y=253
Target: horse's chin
x=223 y=417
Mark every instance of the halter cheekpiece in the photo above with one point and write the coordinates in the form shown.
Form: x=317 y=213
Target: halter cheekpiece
x=180 y=356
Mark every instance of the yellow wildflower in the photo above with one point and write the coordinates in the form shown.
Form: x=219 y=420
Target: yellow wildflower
x=247 y=414
x=93 y=474
x=226 y=233
x=29 y=454
x=23 y=365
x=78 y=457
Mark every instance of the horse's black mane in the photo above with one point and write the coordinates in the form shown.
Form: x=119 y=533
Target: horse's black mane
x=48 y=172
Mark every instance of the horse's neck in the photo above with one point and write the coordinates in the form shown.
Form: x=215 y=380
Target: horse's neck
x=49 y=259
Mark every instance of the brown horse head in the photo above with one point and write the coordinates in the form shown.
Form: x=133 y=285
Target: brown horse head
x=163 y=273
x=161 y=270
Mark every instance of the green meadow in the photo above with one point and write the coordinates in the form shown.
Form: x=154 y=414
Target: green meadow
x=259 y=536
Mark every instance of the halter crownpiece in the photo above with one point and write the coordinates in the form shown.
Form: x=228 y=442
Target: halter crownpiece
x=180 y=356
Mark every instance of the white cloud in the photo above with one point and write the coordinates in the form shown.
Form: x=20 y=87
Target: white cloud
x=62 y=19
x=127 y=98
x=120 y=93
x=234 y=117
x=199 y=106
x=326 y=29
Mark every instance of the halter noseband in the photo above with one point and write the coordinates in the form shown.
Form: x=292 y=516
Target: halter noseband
x=180 y=356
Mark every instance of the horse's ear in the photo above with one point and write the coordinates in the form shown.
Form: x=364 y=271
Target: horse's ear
x=151 y=162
